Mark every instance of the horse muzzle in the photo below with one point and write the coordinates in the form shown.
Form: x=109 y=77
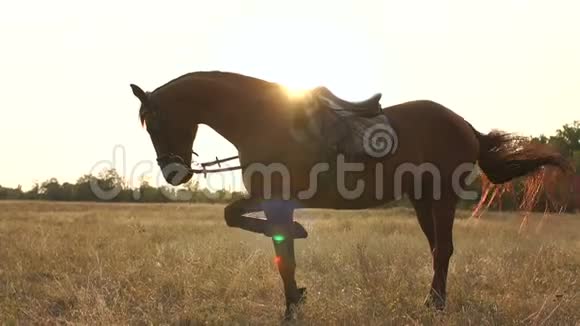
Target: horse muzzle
x=174 y=170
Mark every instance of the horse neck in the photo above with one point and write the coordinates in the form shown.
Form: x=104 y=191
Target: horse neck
x=220 y=106
x=249 y=121
x=227 y=121
x=229 y=115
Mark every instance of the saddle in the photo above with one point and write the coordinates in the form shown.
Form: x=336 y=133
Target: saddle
x=370 y=106
x=331 y=125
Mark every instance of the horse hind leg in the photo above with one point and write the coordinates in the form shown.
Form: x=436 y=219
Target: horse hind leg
x=443 y=218
x=424 y=210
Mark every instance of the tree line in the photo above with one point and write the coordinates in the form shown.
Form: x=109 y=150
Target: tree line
x=109 y=186
x=566 y=141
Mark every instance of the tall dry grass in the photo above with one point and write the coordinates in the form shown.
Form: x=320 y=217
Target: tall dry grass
x=168 y=264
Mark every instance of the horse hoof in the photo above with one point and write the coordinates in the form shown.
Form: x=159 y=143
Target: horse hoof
x=293 y=305
x=291 y=312
x=435 y=301
x=299 y=298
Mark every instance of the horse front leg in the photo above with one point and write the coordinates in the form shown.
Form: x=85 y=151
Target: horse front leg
x=234 y=215
x=283 y=232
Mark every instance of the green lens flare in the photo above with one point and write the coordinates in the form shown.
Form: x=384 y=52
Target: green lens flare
x=278 y=238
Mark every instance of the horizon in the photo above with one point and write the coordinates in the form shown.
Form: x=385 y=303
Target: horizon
x=66 y=73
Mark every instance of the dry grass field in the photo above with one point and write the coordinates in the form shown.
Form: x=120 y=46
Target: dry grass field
x=84 y=263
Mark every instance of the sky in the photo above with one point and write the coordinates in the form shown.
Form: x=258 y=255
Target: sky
x=65 y=68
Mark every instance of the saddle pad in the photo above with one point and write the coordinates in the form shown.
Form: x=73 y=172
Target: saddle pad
x=334 y=130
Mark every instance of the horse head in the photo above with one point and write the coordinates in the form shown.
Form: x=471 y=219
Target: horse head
x=172 y=135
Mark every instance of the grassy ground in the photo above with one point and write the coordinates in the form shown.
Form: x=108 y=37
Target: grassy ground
x=167 y=264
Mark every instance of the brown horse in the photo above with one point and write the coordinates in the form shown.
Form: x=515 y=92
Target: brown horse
x=282 y=172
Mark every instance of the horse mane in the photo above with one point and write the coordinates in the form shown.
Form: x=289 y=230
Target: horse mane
x=240 y=84
x=235 y=79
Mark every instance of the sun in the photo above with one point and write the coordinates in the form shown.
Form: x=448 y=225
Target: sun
x=296 y=92
x=305 y=56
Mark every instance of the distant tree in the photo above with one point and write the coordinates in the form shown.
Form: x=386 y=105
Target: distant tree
x=110 y=179
x=11 y=193
x=83 y=191
x=566 y=141
x=51 y=190
x=570 y=136
x=67 y=191
x=542 y=139
x=149 y=193
x=576 y=158
x=33 y=193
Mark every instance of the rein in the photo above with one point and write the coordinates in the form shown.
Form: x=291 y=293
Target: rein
x=218 y=162
x=172 y=158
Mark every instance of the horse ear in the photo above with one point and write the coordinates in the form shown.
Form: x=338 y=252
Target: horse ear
x=137 y=91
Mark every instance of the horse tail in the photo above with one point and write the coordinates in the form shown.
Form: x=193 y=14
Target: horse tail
x=503 y=156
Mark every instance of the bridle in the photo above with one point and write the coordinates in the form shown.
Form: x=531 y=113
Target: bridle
x=218 y=162
x=169 y=158
x=173 y=158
